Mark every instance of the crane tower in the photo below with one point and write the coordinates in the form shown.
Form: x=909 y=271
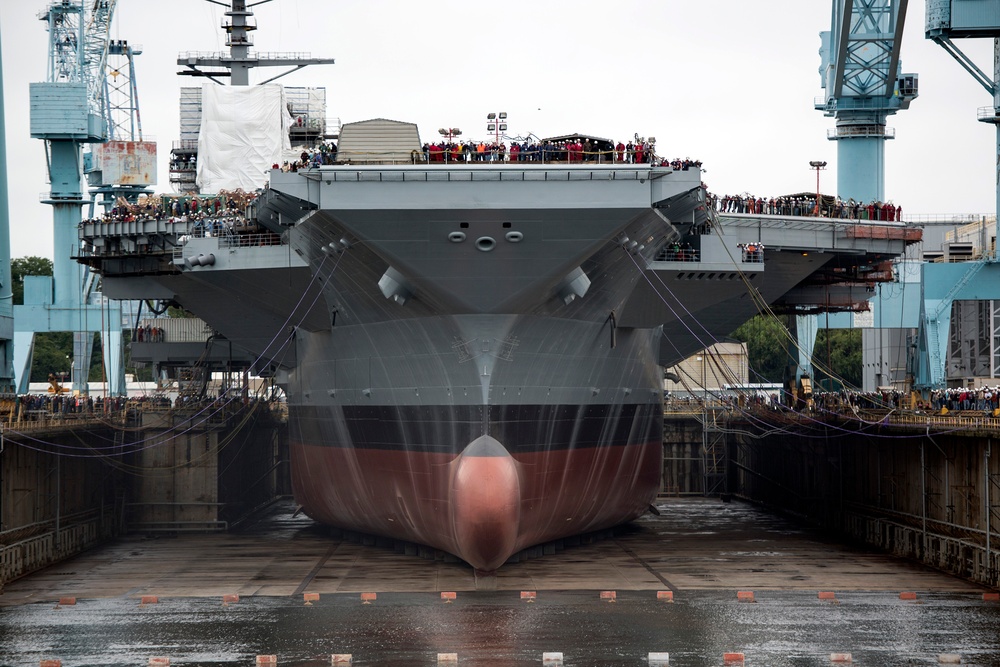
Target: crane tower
x=861 y=76
x=67 y=111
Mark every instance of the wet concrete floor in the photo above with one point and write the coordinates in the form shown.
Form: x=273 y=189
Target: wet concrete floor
x=703 y=551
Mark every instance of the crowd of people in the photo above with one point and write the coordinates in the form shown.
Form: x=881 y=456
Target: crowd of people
x=752 y=253
x=572 y=150
x=226 y=204
x=803 y=205
x=679 y=252
x=311 y=158
x=16 y=408
x=223 y=214
x=983 y=399
x=33 y=407
x=148 y=334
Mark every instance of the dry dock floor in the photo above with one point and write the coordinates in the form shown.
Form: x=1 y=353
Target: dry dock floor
x=696 y=544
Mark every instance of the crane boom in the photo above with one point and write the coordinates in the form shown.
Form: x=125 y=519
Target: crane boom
x=97 y=34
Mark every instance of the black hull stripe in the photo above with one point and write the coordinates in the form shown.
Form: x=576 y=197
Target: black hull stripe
x=447 y=429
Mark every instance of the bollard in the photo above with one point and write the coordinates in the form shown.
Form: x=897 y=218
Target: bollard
x=449 y=596
x=665 y=595
x=732 y=658
x=841 y=657
x=67 y=601
x=744 y=596
x=950 y=659
x=610 y=596
x=908 y=595
x=159 y=662
x=309 y=598
x=368 y=598
x=149 y=599
x=991 y=597
x=658 y=659
x=341 y=659
x=827 y=595
x=528 y=596
x=267 y=660
x=554 y=659
x=447 y=658
x=50 y=663
x=230 y=598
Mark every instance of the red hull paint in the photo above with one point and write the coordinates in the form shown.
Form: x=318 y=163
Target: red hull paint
x=482 y=509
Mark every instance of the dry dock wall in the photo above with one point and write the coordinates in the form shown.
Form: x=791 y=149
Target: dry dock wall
x=76 y=483
x=57 y=495
x=933 y=498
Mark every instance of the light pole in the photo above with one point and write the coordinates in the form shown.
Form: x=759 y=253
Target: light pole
x=818 y=166
x=449 y=133
x=497 y=123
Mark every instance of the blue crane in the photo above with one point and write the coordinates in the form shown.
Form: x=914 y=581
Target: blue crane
x=861 y=76
x=67 y=111
x=6 y=295
x=943 y=284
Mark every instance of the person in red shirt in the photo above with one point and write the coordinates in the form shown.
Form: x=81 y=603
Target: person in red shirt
x=620 y=149
x=640 y=153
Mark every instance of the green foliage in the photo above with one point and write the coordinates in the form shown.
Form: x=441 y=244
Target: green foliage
x=52 y=355
x=766 y=338
x=27 y=266
x=838 y=350
x=175 y=312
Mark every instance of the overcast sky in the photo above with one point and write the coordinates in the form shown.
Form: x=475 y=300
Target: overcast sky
x=729 y=82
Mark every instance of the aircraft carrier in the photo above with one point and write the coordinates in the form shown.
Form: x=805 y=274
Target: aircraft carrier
x=473 y=353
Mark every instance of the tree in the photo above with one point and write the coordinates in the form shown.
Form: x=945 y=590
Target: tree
x=840 y=358
x=766 y=337
x=27 y=266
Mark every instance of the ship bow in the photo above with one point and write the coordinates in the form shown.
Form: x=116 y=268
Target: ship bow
x=486 y=504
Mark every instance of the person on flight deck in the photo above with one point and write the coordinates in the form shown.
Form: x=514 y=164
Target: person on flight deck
x=640 y=153
x=620 y=149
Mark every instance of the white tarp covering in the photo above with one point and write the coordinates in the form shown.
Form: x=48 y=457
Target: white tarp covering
x=243 y=133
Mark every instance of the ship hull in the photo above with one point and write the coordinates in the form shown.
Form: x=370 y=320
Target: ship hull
x=503 y=506
x=475 y=448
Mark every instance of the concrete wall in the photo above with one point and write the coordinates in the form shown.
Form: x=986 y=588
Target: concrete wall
x=56 y=497
x=200 y=471
x=70 y=487
x=934 y=499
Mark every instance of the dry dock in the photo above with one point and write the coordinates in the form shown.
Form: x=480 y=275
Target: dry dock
x=164 y=597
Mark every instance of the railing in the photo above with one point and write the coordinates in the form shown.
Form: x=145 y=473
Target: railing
x=535 y=155
x=35 y=552
x=970 y=420
x=951 y=218
x=860 y=131
x=669 y=255
x=252 y=55
x=249 y=240
x=186 y=145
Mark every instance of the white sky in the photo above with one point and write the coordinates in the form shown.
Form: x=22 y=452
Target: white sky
x=729 y=82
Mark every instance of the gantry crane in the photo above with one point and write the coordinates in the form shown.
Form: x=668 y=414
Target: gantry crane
x=861 y=75
x=6 y=295
x=943 y=284
x=67 y=111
